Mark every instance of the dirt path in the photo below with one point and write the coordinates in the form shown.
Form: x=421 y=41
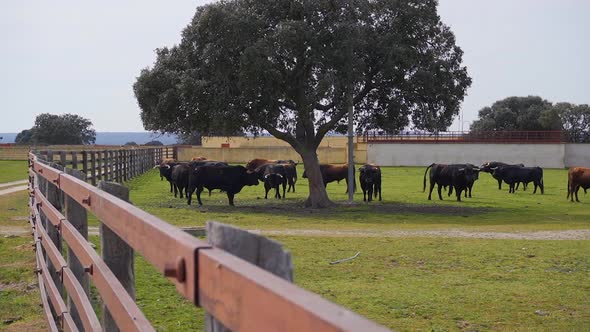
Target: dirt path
x=578 y=234
x=12 y=190
x=13 y=183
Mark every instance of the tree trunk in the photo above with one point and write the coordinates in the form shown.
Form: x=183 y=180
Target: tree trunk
x=318 y=197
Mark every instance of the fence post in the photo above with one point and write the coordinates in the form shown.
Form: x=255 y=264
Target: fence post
x=256 y=249
x=118 y=165
x=93 y=167
x=76 y=214
x=105 y=157
x=98 y=166
x=124 y=165
x=75 y=160
x=116 y=253
x=63 y=158
x=85 y=164
x=111 y=166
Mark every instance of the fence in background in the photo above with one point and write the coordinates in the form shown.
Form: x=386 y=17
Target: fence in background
x=241 y=296
x=513 y=137
x=109 y=165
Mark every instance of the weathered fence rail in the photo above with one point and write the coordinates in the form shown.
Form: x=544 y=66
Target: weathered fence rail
x=240 y=295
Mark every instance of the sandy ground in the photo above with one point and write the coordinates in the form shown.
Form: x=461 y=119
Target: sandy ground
x=578 y=234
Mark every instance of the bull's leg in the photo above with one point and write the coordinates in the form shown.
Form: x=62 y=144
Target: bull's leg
x=518 y=185
x=364 y=194
x=535 y=183
x=180 y=189
x=267 y=188
x=370 y=193
x=542 y=186
x=511 y=188
x=277 y=191
x=199 y=191
x=458 y=192
x=430 y=192
x=171 y=187
x=189 y=194
x=577 y=189
x=230 y=197
x=439 y=192
x=378 y=188
x=175 y=191
x=450 y=191
x=284 y=187
x=500 y=184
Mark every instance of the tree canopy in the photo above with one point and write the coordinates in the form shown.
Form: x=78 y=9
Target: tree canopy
x=517 y=113
x=58 y=129
x=289 y=68
x=536 y=113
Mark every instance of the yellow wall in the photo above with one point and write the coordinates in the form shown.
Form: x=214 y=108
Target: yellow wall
x=237 y=142
x=330 y=155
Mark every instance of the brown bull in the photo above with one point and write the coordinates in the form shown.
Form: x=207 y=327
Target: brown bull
x=253 y=164
x=331 y=173
x=577 y=177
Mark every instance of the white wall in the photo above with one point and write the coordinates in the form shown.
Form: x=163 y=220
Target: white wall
x=577 y=155
x=543 y=155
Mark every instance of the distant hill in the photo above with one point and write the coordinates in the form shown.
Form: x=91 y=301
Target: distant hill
x=114 y=138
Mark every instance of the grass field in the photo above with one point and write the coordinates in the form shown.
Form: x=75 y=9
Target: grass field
x=404 y=206
x=407 y=283
x=13 y=170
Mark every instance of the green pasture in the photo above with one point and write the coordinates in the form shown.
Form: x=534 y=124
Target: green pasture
x=404 y=206
x=13 y=170
x=408 y=284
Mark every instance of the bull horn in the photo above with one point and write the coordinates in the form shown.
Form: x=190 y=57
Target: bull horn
x=476 y=168
x=157 y=166
x=493 y=168
x=167 y=166
x=280 y=176
x=461 y=169
x=266 y=176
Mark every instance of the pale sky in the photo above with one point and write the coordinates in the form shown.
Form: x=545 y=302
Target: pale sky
x=82 y=57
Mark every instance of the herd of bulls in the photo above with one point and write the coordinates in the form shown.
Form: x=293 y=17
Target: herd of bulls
x=201 y=173
x=461 y=177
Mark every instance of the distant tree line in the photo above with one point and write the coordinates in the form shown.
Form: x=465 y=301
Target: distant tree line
x=536 y=113
x=58 y=129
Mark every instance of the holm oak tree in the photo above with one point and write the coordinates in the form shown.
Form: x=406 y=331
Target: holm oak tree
x=289 y=67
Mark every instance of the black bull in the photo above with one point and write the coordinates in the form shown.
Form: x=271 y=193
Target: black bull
x=230 y=179
x=513 y=175
x=457 y=176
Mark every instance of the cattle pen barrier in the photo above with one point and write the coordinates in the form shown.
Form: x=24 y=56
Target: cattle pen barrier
x=111 y=165
x=242 y=296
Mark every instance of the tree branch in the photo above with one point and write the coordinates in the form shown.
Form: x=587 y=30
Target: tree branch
x=287 y=137
x=321 y=107
x=323 y=129
x=288 y=105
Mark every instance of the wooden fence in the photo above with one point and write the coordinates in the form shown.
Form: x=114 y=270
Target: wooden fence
x=110 y=165
x=240 y=295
